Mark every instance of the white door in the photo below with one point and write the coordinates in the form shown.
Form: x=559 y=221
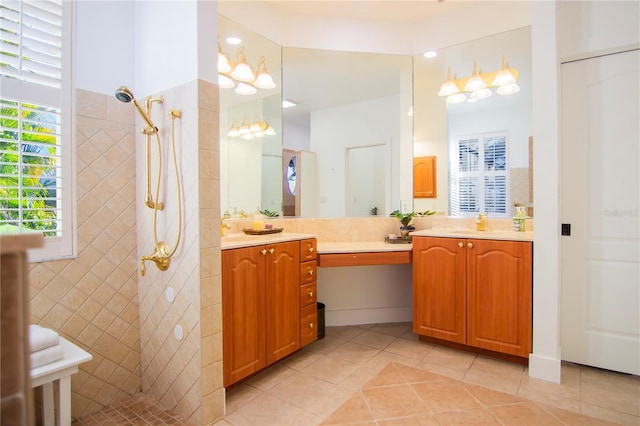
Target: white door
x=601 y=200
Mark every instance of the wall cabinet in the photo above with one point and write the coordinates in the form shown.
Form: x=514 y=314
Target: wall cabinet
x=424 y=177
x=474 y=292
x=261 y=307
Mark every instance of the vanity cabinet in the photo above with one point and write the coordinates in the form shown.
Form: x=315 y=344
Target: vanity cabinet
x=308 y=291
x=474 y=292
x=265 y=305
x=260 y=307
x=424 y=177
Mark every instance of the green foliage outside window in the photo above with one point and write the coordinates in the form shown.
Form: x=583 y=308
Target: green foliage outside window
x=28 y=155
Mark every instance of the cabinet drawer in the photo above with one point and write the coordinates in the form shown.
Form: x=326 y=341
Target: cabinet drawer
x=308 y=294
x=363 y=259
x=308 y=250
x=308 y=271
x=308 y=324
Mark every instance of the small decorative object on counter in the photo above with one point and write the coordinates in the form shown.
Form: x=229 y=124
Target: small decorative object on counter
x=519 y=223
x=481 y=222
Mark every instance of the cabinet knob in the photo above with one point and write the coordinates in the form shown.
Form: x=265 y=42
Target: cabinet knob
x=310 y=249
x=310 y=294
x=310 y=272
x=470 y=245
x=310 y=325
x=460 y=245
x=263 y=251
x=271 y=250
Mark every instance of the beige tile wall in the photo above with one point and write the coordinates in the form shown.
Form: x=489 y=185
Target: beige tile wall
x=93 y=299
x=185 y=375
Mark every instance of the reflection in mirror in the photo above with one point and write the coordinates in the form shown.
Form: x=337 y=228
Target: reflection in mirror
x=482 y=147
x=351 y=130
x=250 y=126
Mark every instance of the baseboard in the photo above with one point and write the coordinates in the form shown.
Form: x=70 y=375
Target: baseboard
x=544 y=368
x=368 y=316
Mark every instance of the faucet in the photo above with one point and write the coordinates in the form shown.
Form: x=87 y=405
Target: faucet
x=160 y=256
x=481 y=222
x=223 y=225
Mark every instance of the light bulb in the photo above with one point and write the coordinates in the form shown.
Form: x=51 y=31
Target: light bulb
x=456 y=99
x=504 y=76
x=449 y=87
x=481 y=94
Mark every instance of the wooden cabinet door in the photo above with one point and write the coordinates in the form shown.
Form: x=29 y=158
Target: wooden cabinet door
x=439 y=288
x=243 y=312
x=499 y=296
x=424 y=177
x=282 y=300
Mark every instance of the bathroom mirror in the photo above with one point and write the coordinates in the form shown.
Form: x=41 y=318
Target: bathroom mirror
x=352 y=123
x=439 y=125
x=250 y=163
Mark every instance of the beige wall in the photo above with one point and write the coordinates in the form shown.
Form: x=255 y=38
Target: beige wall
x=93 y=300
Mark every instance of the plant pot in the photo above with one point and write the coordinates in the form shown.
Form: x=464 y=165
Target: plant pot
x=404 y=231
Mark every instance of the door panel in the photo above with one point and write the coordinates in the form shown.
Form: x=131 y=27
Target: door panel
x=601 y=199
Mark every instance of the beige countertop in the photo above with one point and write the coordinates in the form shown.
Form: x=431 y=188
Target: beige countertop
x=240 y=240
x=467 y=233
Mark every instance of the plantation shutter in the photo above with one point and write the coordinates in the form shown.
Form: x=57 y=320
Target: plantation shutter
x=35 y=117
x=479 y=175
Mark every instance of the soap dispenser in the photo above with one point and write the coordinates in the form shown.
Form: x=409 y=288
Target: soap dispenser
x=481 y=222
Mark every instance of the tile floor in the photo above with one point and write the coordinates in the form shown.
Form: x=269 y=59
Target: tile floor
x=382 y=375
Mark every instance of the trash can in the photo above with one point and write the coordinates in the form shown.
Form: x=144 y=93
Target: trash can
x=320 y=320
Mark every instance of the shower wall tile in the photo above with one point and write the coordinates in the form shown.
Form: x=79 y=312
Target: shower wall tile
x=92 y=300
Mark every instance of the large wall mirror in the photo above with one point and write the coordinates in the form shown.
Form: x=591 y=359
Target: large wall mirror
x=489 y=136
x=250 y=125
x=350 y=131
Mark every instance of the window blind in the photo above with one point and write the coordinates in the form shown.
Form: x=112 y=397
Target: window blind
x=35 y=117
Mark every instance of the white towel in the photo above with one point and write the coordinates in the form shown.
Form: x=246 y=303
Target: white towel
x=46 y=356
x=42 y=338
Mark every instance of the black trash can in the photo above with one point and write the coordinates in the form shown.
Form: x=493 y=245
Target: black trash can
x=320 y=320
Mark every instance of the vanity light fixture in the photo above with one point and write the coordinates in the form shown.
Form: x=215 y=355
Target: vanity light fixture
x=478 y=85
x=240 y=72
x=258 y=129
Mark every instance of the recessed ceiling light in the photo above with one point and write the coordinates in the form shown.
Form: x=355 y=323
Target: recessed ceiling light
x=233 y=40
x=288 y=104
x=430 y=54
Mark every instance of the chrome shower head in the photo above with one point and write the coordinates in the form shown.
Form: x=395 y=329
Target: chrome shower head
x=123 y=94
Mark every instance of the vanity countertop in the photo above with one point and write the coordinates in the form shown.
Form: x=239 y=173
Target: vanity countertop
x=480 y=235
x=240 y=240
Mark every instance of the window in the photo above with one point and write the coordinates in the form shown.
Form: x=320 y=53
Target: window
x=480 y=175
x=35 y=122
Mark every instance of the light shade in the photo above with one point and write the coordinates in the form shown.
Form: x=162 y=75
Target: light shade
x=225 y=82
x=448 y=87
x=245 y=128
x=508 y=89
x=456 y=98
x=264 y=79
x=234 y=131
x=246 y=89
x=481 y=94
x=242 y=70
x=223 y=61
x=475 y=82
x=504 y=75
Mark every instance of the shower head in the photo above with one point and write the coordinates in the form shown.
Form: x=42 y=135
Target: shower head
x=123 y=94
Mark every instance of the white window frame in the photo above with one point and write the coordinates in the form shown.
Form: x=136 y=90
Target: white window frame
x=65 y=245
x=456 y=175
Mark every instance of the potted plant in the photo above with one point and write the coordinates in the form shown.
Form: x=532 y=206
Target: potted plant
x=405 y=220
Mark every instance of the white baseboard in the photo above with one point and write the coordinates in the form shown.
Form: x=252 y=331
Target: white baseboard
x=368 y=316
x=544 y=368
